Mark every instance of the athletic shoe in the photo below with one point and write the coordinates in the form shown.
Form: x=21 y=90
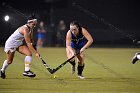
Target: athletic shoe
x=29 y=74
x=81 y=77
x=73 y=69
x=134 y=59
x=2 y=75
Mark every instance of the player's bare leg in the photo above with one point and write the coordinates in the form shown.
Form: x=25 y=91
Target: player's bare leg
x=28 y=59
x=72 y=62
x=9 y=59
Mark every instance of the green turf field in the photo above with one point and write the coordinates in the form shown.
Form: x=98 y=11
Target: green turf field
x=107 y=70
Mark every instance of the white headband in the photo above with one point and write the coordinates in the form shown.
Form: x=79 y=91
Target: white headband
x=32 y=20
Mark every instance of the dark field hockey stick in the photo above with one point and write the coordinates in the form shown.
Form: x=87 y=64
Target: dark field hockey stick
x=64 y=63
x=46 y=66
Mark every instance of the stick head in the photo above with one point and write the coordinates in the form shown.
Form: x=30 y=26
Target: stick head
x=53 y=71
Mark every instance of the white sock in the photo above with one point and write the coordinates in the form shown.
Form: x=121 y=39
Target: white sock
x=4 y=66
x=28 y=60
x=138 y=56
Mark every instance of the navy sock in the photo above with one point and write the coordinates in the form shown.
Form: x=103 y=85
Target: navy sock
x=80 y=69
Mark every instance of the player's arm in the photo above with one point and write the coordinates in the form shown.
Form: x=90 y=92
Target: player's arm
x=68 y=42
x=28 y=41
x=88 y=37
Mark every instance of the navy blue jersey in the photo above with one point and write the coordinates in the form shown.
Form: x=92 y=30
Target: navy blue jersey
x=78 y=41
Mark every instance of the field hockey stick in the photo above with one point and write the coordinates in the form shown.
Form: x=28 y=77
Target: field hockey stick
x=64 y=63
x=46 y=66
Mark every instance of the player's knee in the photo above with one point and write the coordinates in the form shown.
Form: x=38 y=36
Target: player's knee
x=28 y=53
x=81 y=63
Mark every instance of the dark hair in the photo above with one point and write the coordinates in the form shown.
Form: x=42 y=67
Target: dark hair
x=77 y=24
x=32 y=17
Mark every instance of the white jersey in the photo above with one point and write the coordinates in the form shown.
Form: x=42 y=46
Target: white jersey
x=14 y=41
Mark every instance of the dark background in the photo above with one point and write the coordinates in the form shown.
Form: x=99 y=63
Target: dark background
x=121 y=14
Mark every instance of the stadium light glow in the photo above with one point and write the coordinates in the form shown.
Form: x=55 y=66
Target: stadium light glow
x=6 y=18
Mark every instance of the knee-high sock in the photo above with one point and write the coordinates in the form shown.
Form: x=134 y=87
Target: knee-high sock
x=80 y=69
x=28 y=60
x=4 y=66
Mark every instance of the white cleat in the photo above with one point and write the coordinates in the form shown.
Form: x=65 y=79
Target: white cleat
x=29 y=73
x=81 y=77
x=135 y=59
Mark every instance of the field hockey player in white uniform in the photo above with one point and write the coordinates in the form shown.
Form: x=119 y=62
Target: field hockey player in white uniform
x=15 y=43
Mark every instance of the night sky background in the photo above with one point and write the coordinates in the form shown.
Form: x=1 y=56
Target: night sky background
x=121 y=14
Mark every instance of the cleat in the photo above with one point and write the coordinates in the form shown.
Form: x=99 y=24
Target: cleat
x=29 y=74
x=135 y=59
x=2 y=75
x=81 y=77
